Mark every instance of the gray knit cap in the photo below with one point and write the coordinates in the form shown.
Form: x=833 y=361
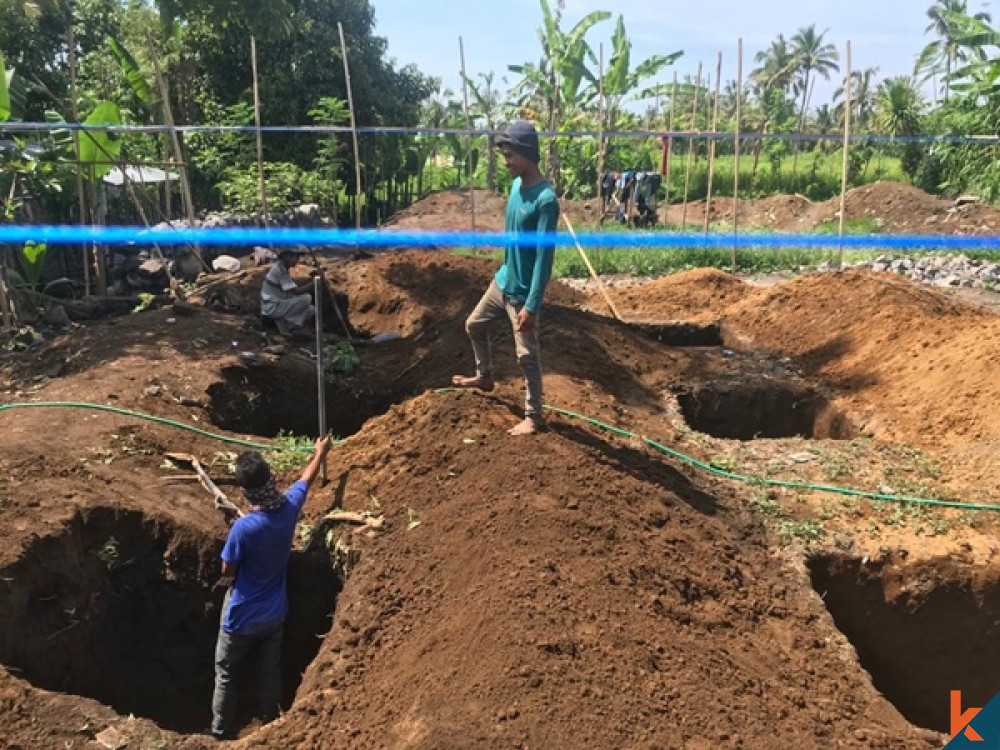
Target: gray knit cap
x=522 y=138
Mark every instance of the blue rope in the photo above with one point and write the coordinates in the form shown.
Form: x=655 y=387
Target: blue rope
x=127 y=235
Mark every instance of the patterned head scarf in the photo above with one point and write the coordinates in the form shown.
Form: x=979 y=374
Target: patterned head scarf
x=266 y=497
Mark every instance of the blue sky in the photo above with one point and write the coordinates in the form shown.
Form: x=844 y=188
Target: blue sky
x=884 y=33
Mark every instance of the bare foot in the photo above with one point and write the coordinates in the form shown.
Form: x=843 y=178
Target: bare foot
x=526 y=426
x=474 y=381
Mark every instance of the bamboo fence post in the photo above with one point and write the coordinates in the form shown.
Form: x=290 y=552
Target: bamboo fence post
x=690 y=153
x=175 y=142
x=600 y=128
x=468 y=121
x=75 y=113
x=593 y=273
x=670 y=147
x=711 y=147
x=260 y=137
x=354 y=129
x=844 y=163
x=736 y=151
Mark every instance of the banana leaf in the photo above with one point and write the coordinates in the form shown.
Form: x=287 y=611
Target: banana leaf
x=100 y=148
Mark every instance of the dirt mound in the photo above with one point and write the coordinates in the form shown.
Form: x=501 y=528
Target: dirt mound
x=700 y=296
x=892 y=207
x=916 y=365
x=528 y=610
x=452 y=210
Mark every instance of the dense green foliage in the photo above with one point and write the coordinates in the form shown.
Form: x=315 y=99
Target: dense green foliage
x=201 y=51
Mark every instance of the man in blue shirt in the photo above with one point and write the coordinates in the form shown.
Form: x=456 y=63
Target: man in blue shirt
x=516 y=290
x=256 y=556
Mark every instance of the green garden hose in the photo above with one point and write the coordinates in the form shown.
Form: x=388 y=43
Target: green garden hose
x=708 y=468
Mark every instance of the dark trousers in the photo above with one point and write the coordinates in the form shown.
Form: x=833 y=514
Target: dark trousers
x=231 y=651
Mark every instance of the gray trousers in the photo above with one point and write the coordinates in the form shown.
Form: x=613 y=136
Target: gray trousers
x=494 y=305
x=231 y=651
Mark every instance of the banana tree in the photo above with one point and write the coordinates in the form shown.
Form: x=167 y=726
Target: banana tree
x=556 y=82
x=622 y=83
x=488 y=108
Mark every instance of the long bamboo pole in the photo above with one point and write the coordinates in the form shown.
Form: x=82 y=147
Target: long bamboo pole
x=262 y=186
x=711 y=147
x=670 y=147
x=468 y=122
x=736 y=150
x=600 y=129
x=74 y=111
x=593 y=273
x=318 y=283
x=354 y=129
x=175 y=142
x=843 y=167
x=691 y=146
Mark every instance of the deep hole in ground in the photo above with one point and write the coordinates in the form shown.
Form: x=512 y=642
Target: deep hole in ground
x=763 y=408
x=919 y=632
x=281 y=397
x=120 y=608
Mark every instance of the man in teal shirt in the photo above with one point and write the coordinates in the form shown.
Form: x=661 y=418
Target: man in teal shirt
x=517 y=289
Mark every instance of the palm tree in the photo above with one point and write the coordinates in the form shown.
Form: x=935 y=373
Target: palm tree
x=899 y=106
x=777 y=66
x=899 y=109
x=812 y=55
x=941 y=55
x=862 y=97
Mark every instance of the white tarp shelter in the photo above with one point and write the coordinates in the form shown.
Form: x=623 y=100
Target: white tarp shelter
x=138 y=176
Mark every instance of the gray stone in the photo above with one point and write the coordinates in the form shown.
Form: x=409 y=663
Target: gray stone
x=226 y=263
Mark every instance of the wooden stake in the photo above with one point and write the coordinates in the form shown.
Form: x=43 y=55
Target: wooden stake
x=468 y=122
x=354 y=129
x=691 y=145
x=670 y=147
x=600 y=129
x=711 y=147
x=260 y=137
x=844 y=163
x=8 y=317
x=736 y=150
x=320 y=369
x=593 y=273
x=75 y=113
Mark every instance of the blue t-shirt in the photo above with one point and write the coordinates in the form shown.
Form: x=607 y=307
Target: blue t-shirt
x=259 y=546
x=527 y=258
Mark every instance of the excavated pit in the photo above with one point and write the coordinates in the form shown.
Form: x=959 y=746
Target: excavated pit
x=763 y=407
x=120 y=608
x=281 y=397
x=920 y=631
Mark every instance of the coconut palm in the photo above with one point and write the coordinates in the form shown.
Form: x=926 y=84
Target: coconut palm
x=899 y=105
x=862 y=97
x=813 y=56
x=777 y=66
x=941 y=56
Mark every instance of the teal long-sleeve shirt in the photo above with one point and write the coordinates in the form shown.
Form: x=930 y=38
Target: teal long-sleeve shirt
x=532 y=212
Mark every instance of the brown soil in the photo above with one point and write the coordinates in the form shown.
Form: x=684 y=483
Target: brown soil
x=571 y=589
x=893 y=207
